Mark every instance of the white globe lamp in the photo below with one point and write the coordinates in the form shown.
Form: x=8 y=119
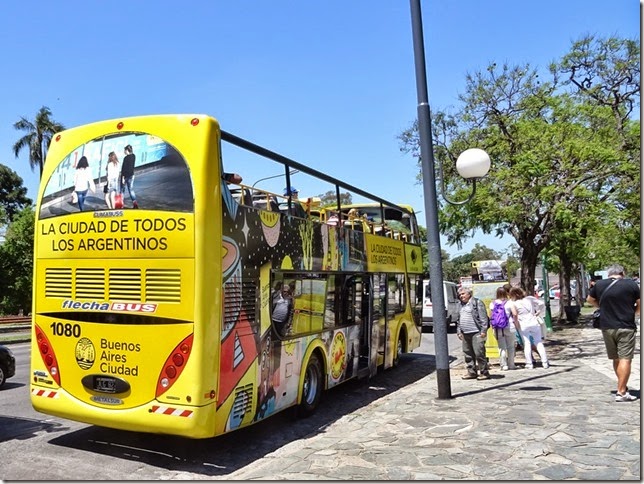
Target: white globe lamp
x=473 y=163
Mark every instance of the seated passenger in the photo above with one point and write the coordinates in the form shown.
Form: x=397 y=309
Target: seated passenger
x=332 y=219
x=296 y=207
x=232 y=178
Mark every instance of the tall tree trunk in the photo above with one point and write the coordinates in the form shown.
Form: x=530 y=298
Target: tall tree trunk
x=529 y=258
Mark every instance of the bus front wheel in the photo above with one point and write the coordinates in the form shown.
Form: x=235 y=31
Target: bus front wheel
x=312 y=387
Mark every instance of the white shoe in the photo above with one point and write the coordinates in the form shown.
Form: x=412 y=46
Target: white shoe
x=529 y=367
x=546 y=365
x=627 y=397
x=505 y=368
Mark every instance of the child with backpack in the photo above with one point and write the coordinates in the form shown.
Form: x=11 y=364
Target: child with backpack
x=504 y=330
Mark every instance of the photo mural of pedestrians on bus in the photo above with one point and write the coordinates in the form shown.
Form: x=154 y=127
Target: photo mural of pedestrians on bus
x=162 y=176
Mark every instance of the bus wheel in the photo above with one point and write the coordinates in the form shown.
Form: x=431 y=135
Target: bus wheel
x=312 y=387
x=400 y=349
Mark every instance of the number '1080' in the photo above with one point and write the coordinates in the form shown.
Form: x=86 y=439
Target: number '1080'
x=67 y=329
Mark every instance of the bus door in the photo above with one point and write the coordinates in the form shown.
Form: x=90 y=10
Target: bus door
x=367 y=361
x=379 y=317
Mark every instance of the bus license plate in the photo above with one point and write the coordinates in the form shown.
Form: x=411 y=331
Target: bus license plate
x=105 y=384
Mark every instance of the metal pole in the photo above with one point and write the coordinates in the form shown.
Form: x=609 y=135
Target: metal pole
x=546 y=292
x=431 y=207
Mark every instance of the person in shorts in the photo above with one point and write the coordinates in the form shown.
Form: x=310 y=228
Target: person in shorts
x=618 y=300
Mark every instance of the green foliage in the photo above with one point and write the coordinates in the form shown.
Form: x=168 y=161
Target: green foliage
x=16 y=264
x=13 y=195
x=37 y=139
x=565 y=153
x=329 y=199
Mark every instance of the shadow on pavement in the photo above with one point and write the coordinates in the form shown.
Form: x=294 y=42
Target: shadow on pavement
x=225 y=454
x=516 y=383
x=25 y=428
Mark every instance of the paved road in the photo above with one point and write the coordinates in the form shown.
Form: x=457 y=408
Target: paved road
x=69 y=450
x=560 y=423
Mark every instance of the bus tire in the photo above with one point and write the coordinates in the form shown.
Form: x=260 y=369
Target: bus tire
x=400 y=349
x=312 y=387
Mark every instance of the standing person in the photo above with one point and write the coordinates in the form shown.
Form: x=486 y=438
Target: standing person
x=127 y=175
x=525 y=319
x=282 y=308
x=113 y=174
x=504 y=330
x=83 y=181
x=472 y=331
x=618 y=300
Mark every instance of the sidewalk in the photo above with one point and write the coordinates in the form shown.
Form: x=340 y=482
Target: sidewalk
x=554 y=424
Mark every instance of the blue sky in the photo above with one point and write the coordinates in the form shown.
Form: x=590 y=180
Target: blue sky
x=328 y=83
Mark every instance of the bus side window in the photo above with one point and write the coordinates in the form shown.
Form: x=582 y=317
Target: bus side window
x=329 y=306
x=352 y=307
x=282 y=307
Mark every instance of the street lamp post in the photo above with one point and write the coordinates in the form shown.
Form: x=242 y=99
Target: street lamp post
x=291 y=172
x=472 y=163
x=546 y=294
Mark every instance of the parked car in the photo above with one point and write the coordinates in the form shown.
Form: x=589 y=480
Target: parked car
x=452 y=305
x=555 y=290
x=7 y=364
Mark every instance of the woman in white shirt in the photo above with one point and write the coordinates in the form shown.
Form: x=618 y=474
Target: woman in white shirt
x=113 y=174
x=526 y=322
x=83 y=181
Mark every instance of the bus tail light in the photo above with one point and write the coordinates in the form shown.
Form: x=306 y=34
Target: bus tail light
x=47 y=354
x=174 y=365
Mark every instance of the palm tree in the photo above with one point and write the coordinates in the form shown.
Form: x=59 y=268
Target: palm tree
x=38 y=137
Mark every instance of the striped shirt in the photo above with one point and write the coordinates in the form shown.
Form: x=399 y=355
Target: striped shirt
x=466 y=320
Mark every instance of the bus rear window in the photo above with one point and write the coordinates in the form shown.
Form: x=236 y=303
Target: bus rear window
x=147 y=171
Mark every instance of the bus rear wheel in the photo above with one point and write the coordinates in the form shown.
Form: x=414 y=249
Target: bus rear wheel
x=400 y=348
x=312 y=387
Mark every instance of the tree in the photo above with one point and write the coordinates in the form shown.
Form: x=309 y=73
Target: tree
x=16 y=264
x=38 y=137
x=329 y=199
x=550 y=149
x=459 y=266
x=606 y=74
x=13 y=194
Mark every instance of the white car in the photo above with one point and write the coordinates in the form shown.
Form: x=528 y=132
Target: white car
x=452 y=305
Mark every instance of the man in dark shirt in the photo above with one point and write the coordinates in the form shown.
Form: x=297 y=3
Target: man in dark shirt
x=619 y=301
x=127 y=175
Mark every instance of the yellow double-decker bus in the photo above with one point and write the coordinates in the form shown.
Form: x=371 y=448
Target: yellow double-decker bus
x=169 y=300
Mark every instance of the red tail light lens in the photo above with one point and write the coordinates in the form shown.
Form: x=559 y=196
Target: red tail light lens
x=177 y=359
x=171 y=371
x=47 y=354
x=174 y=365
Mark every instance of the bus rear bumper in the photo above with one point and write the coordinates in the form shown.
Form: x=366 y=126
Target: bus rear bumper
x=153 y=417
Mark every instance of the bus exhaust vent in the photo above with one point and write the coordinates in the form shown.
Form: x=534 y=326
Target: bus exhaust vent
x=243 y=403
x=163 y=285
x=240 y=296
x=58 y=282
x=90 y=283
x=125 y=284
x=250 y=296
